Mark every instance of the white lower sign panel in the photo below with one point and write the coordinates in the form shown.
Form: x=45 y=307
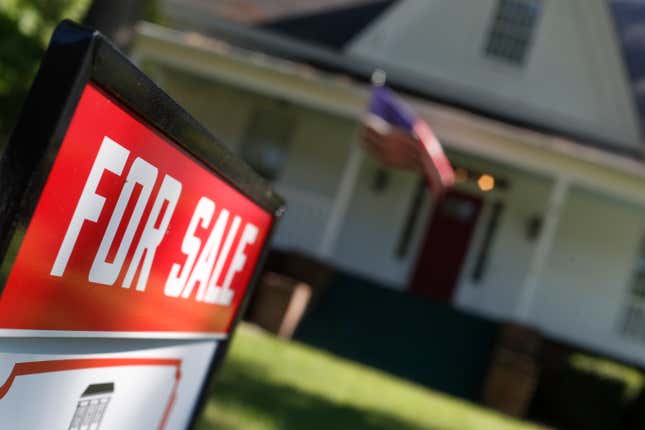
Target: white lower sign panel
x=150 y=387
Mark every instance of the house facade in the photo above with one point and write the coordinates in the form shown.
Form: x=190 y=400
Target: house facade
x=533 y=94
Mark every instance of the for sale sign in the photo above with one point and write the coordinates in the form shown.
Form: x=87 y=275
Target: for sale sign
x=131 y=234
x=129 y=248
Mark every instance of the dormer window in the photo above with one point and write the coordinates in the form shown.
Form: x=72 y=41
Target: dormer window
x=511 y=32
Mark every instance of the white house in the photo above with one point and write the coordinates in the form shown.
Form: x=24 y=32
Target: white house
x=534 y=93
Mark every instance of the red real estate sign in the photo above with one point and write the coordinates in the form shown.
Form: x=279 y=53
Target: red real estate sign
x=131 y=234
x=121 y=217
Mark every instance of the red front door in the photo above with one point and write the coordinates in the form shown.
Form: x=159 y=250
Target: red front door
x=445 y=246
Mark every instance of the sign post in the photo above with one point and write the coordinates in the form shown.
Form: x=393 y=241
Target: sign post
x=129 y=238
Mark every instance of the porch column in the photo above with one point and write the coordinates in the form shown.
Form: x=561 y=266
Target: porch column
x=542 y=249
x=341 y=201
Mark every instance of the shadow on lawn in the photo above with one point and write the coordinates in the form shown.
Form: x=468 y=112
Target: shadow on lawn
x=287 y=407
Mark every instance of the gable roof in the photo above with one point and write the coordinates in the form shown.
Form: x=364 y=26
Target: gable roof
x=303 y=35
x=573 y=80
x=332 y=27
x=262 y=11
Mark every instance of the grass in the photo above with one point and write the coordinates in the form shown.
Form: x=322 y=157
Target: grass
x=271 y=384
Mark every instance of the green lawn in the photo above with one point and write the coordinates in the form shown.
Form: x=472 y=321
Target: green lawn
x=268 y=383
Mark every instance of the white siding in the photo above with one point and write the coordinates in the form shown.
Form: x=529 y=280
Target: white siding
x=586 y=281
x=315 y=163
x=373 y=227
x=317 y=150
x=221 y=109
x=375 y=223
x=496 y=294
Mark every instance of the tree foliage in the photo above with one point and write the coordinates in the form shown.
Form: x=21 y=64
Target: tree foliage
x=25 y=28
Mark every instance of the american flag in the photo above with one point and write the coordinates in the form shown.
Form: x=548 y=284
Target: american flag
x=400 y=139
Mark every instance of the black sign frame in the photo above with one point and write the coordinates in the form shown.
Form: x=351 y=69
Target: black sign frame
x=76 y=56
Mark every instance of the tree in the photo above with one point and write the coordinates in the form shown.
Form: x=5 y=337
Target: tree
x=27 y=25
x=25 y=28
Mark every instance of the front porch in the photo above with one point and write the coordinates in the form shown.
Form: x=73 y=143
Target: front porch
x=562 y=257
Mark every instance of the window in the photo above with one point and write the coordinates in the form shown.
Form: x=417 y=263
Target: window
x=265 y=143
x=511 y=32
x=634 y=320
